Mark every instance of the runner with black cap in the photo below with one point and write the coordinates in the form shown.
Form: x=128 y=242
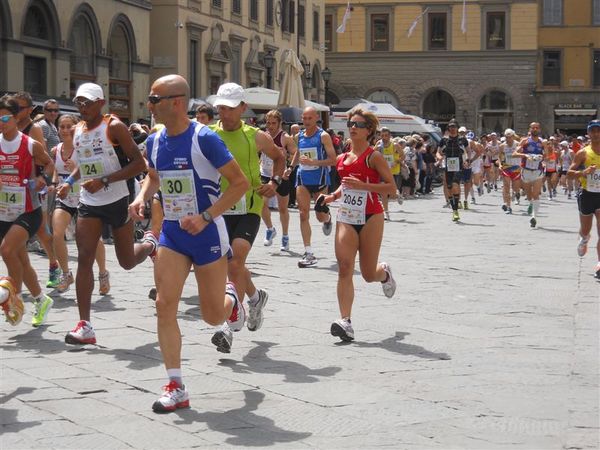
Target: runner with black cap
x=452 y=149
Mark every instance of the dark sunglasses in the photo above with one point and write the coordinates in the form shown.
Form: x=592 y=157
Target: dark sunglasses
x=352 y=123
x=52 y=110
x=154 y=99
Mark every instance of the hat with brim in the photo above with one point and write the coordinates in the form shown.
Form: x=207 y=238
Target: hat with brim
x=229 y=94
x=91 y=91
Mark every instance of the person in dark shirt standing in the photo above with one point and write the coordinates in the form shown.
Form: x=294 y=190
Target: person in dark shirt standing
x=452 y=149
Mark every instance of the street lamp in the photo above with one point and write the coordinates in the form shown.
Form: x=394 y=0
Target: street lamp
x=268 y=60
x=326 y=74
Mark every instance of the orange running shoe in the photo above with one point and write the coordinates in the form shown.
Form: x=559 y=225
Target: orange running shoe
x=12 y=304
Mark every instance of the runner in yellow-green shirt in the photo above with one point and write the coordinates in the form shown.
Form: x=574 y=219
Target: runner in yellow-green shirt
x=393 y=154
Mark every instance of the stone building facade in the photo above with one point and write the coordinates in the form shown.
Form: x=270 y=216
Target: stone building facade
x=477 y=65
x=568 y=81
x=50 y=47
x=214 y=41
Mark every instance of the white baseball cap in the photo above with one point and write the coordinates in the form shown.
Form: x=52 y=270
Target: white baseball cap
x=462 y=130
x=91 y=91
x=509 y=132
x=229 y=94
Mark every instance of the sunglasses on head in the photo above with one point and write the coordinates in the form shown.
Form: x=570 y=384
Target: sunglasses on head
x=353 y=123
x=82 y=103
x=5 y=118
x=52 y=110
x=154 y=99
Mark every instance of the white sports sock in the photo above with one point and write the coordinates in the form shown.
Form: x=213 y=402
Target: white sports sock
x=254 y=297
x=536 y=207
x=175 y=375
x=308 y=249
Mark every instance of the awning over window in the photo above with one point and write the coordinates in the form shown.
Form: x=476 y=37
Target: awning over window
x=575 y=112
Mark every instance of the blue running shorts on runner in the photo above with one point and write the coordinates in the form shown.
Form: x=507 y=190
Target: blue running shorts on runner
x=204 y=248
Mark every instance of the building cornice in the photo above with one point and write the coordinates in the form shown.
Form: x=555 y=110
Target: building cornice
x=144 y=4
x=442 y=55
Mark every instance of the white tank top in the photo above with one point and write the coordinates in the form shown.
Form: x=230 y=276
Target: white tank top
x=96 y=157
x=72 y=199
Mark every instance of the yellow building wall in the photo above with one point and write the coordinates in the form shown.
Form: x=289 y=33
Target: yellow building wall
x=523 y=31
x=471 y=40
x=353 y=40
x=577 y=13
x=403 y=19
x=568 y=37
x=577 y=66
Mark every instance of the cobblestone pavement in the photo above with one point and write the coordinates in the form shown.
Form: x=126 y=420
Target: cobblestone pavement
x=490 y=342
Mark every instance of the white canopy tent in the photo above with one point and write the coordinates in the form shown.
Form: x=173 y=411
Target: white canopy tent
x=259 y=98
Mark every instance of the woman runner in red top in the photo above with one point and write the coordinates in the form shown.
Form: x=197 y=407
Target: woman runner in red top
x=365 y=177
x=20 y=210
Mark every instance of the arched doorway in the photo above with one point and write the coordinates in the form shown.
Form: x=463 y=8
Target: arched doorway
x=439 y=106
x=40 y=32
x=83 y=44
x=495 y=112
x=5 y=34
x=120 y=47
x=384 y=96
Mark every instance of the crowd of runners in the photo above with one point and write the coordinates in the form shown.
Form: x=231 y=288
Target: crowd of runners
x=206 y=186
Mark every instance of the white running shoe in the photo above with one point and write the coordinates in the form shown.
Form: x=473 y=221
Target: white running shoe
x=342 y=328
x=285 y=243
x=308 y=260
x=389 y=286
x=238 y=314
x=327 y=227
x=173 y=397
x=582 y=246
x=271 y=233
x=255 y=312
x=82 y=334
x=223 y=339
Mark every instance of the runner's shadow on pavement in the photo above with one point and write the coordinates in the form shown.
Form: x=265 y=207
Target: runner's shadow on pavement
x=557 y=230
x=395 y=345
x=251 y=430
x=467 y=224
x=104 y=303
x=257 y=361
x=410 y=222
x=10 y=423
x=33 y=341
x=140 y=358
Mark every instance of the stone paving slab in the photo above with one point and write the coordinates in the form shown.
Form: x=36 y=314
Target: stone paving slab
x=491 y=342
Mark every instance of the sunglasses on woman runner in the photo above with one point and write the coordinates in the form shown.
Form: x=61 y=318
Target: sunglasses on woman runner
x=352 y=123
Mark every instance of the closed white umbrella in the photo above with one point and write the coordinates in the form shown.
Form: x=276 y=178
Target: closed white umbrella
x=291 y=93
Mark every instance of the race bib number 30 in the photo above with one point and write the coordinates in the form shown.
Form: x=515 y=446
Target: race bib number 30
x=179 y=193
x=353 y=206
